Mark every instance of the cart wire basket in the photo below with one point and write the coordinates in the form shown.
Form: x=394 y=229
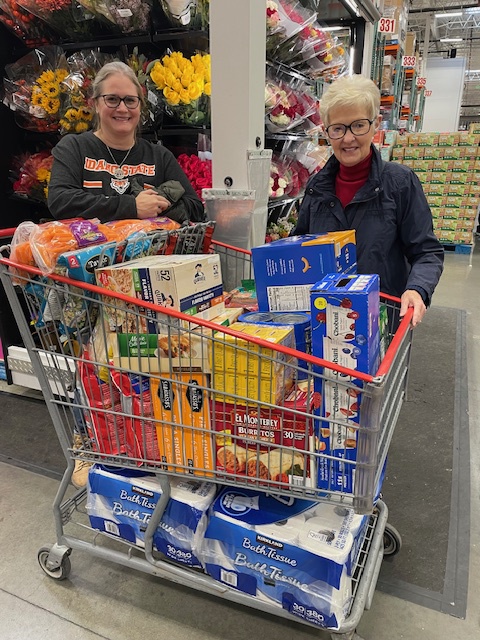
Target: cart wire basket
x=139 y=385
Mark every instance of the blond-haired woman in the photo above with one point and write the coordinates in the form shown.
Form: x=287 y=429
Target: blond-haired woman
x=93 y=172
x=383 y=201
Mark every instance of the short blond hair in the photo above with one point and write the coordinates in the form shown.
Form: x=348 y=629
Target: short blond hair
x=355 y=91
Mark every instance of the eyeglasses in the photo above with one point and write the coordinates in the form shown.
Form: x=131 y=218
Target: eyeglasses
x=112 y=101
x=358 y=128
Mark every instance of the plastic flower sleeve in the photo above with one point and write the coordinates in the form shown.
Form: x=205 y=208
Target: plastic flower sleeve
x=23 y=24
x=184 y=85
x=152 y=111
x=187 y=14
x=292 y=18
x=76 y=112
x=67 y=17
x=292 y=109
x=33 y=87
x=128 y=16
x=33 y=175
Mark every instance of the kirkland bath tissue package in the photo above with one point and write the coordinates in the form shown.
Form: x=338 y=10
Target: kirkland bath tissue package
x=121 y=502
x=287 y=551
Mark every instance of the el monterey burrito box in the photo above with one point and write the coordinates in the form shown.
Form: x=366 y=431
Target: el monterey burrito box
x=286 y=269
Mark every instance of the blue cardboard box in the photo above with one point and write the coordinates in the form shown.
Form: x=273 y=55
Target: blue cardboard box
x=345 y=331
x=286 y=269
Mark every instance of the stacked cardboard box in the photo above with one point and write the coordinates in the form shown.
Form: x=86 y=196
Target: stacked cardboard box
x=448 y=166
x=398 y=10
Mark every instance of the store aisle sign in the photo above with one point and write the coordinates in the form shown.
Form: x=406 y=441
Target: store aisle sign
x=428 y=93
x=386 y=25
x=421 y=82
x=409 y=61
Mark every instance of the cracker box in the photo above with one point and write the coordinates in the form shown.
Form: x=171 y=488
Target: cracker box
x=121 y=503
x=180 y=405
x=243 y=368
x=191 y=284
x=286 y=269
x=249 y=439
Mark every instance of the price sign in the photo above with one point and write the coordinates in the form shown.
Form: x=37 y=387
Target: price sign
x=386 y=25
x=421 y=82
x=409 y=61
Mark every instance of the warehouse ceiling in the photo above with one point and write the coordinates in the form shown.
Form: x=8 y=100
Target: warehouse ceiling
x=451 y=29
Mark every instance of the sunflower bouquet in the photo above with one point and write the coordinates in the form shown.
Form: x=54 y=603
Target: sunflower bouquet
x=76 y=111
x=33 y=88
x=184 y=85
x=187 y=14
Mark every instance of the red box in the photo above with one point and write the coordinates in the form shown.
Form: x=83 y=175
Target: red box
x=269 y=443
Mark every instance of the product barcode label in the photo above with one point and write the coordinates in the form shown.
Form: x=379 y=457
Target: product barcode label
x=228 y=577
x=297 y=481
x=111 y=527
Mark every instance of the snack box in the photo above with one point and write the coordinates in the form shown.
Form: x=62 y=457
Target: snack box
x=121 y=503
x=345 y=311
x=286 y=269
x=249 y=439
x=345 y=331
x=191 y=284
x=162 y=353
x=181 y=407
x=243 y=368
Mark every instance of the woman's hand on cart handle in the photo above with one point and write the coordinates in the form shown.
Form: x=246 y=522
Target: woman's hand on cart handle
x=412 y=298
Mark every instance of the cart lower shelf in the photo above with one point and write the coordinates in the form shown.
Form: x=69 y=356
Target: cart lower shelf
x=55 y=561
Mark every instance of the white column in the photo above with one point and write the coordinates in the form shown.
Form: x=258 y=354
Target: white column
x=237 y=46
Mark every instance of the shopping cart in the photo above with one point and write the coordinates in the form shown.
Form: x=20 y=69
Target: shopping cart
x=251 y=414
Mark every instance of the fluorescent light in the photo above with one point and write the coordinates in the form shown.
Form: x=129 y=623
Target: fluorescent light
x=336 y=28
x=472 y=10
x=448 y=15
x=451 y=39
x=473 y=71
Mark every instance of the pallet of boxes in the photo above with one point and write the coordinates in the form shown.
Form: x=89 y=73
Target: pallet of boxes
x=448 y=166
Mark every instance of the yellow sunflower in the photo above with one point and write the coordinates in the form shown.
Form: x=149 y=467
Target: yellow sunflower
x=81 y=126
x=51 y=105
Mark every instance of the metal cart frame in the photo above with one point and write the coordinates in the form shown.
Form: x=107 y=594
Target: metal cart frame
x=57 y=371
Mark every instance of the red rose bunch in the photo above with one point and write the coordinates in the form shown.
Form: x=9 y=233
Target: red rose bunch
x=199 y=172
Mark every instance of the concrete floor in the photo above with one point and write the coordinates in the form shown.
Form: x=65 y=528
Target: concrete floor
x=105 y=600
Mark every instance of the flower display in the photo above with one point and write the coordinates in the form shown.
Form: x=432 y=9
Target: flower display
x=23 y=24
x=291 y=106
x=273 y=17
x=185 y=86
x=76 y=112
x=33 y=175
x=285 y=18
x=187 y=14
x=32 y=87
x=152 y=111
x=283 y=226
x=67 y=17
x=199 y=172
x=129 y=17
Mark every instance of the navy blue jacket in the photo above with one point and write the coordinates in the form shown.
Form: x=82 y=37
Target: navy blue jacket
x=392 y=221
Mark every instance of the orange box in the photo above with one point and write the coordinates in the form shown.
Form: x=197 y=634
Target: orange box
x=180 y=403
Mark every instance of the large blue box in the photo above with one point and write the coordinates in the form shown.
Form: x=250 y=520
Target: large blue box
x=345 y=331
x=286 y=269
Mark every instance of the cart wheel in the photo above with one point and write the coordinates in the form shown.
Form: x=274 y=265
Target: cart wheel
x=392 y=541
x=58 y=573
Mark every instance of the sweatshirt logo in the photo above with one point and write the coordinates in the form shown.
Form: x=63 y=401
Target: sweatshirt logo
x=120 y=186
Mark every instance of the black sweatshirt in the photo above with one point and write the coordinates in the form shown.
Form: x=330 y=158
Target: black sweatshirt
x=83 y=182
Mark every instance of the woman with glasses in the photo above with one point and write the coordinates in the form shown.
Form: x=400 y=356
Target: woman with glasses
x=383 y=201
x=110 y=173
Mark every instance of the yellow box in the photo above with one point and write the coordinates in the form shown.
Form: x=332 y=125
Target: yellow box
x=166 y=409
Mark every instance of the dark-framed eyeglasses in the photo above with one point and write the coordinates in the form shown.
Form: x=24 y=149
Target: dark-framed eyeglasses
x=113 y=101
x=357 y=127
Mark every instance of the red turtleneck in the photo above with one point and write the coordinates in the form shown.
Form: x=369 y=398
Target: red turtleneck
x=349 y=179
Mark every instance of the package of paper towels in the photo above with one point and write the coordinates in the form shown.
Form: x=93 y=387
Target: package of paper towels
x=121 y=502
x=277 y=548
